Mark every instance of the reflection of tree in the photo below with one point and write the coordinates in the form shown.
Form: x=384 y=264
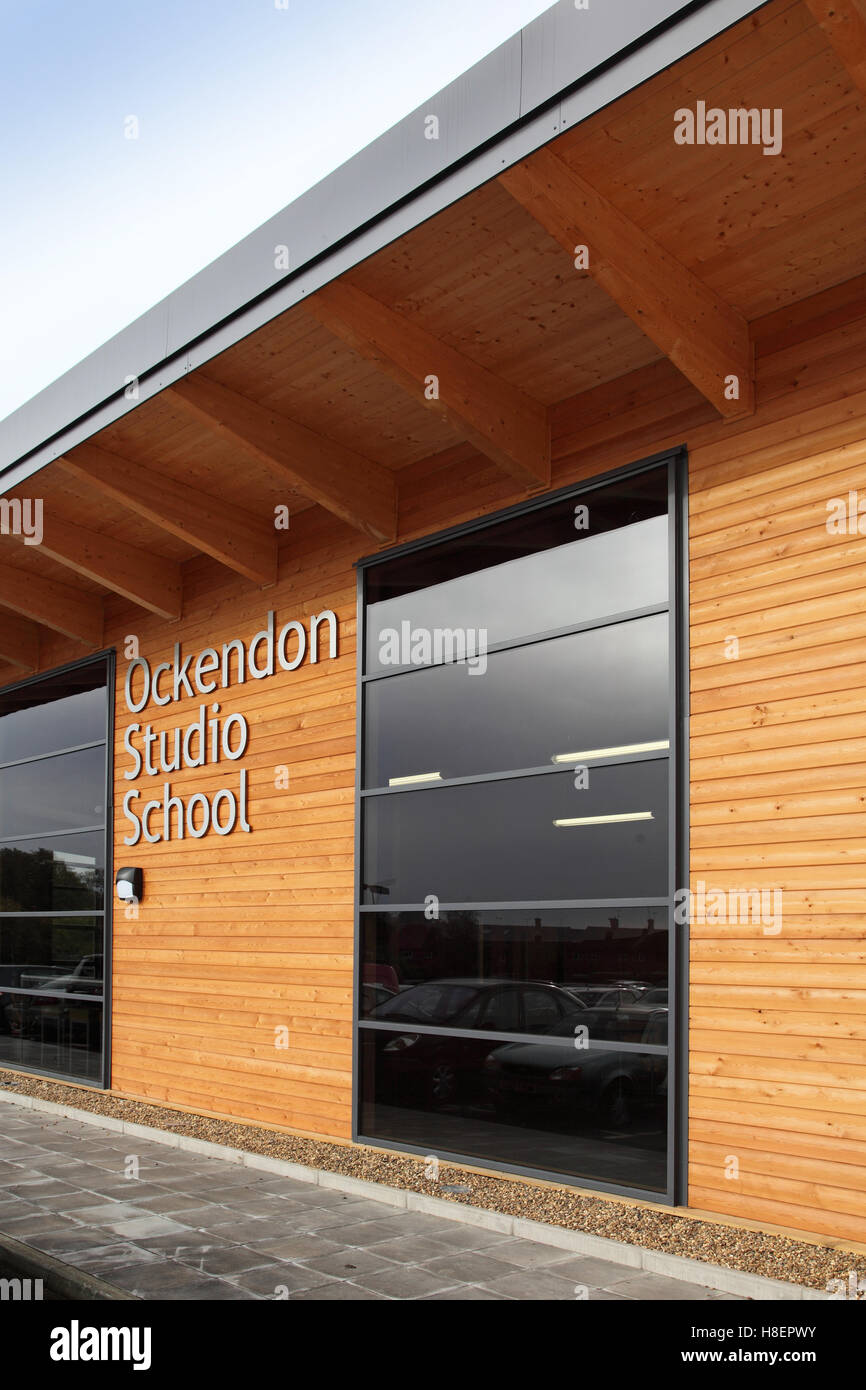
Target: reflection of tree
x=48 y=941
x=34 y=879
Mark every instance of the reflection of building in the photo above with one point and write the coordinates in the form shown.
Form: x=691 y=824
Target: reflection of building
x=579 y=434
x=541 y=948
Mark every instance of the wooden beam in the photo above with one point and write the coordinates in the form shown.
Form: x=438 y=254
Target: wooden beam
x=62 y=607
x=702 y=335
x=149 y=580
x=356 y=489
x=19 y=641
x=227 y=533
x=495 y=415
x=844 y=23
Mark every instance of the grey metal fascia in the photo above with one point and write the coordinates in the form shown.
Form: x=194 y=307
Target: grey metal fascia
x=562 y=67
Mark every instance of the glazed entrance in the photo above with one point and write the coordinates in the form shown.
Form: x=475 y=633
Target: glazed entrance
x=516 y=866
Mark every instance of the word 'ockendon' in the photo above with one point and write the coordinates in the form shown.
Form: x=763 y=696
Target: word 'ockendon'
x=212 y=670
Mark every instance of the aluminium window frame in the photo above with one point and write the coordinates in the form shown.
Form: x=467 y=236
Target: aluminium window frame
x=108 y=655
x=676 y=1166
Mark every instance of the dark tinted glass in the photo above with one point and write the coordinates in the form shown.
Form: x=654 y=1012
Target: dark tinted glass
x=542 y=1103
x=498 y=1032
x=61 y=1034
x=611 y=963
x=606 y=508
x=59 y=793
x=35 y=951
x=574 y=560
x=594 y=690
x=60 y=712
x=580 y=580
x=52 y=873
x=499 y=841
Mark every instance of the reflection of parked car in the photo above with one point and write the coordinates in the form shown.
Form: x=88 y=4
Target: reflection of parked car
x=624 y=1021
x=86 y=978
x=656 y=998
x=614 y=1084
x=604 y=996
x=372 y=995
x=436 y=1066
x=46 y=1014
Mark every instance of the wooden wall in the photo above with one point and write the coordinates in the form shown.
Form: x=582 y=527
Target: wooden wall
x=778 y=792
x=239 y=936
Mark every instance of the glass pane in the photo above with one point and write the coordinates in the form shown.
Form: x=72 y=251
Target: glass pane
x=60 y=712
x=610 y=965
x=597 y=690
x=526 y=839
x=60 y=1034
x=580 y=580
x=65 y=952
x=544 y=1104
x=52 y=873
x=53 y=793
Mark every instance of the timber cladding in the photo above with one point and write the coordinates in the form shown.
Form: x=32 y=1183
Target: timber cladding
x=241 y=935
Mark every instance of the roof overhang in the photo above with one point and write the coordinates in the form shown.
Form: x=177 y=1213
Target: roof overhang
x=547 y=78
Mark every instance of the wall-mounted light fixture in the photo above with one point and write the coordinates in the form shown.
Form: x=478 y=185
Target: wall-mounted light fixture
x=129 y=883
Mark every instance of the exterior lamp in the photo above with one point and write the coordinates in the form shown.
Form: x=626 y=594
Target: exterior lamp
x=128 y=883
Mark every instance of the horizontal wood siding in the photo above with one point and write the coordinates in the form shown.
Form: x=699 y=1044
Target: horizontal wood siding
x=241 y=935
x=777 y=1080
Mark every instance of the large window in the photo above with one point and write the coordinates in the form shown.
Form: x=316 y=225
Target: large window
x=53 y=796
x=517 y=861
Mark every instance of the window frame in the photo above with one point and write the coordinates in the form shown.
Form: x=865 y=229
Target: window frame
x=676 y=462
x=108 y=657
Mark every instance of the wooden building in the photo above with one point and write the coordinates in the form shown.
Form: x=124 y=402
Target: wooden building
x=598 y=304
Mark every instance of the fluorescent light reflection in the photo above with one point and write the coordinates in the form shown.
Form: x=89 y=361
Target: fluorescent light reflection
x=416 y=777
x=606 y=820
x=612 y=752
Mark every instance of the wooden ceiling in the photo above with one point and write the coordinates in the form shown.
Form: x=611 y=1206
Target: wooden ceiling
x=462 y=340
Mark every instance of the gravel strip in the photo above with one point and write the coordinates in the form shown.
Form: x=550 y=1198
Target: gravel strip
x=756 y=1252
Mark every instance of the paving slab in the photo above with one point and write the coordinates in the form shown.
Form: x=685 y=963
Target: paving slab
x=657 y=1286
x=279 y=1281
x=526 y=1254
x=193 y=1226
x=405 y=1282
x=339 y=1292
x=350 y=1262
x=464 y=1293
x=411 y=1249
x=535 y=1285
x=467 y=1267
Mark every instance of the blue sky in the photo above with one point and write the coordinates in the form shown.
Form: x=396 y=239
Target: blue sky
x=240 y=104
